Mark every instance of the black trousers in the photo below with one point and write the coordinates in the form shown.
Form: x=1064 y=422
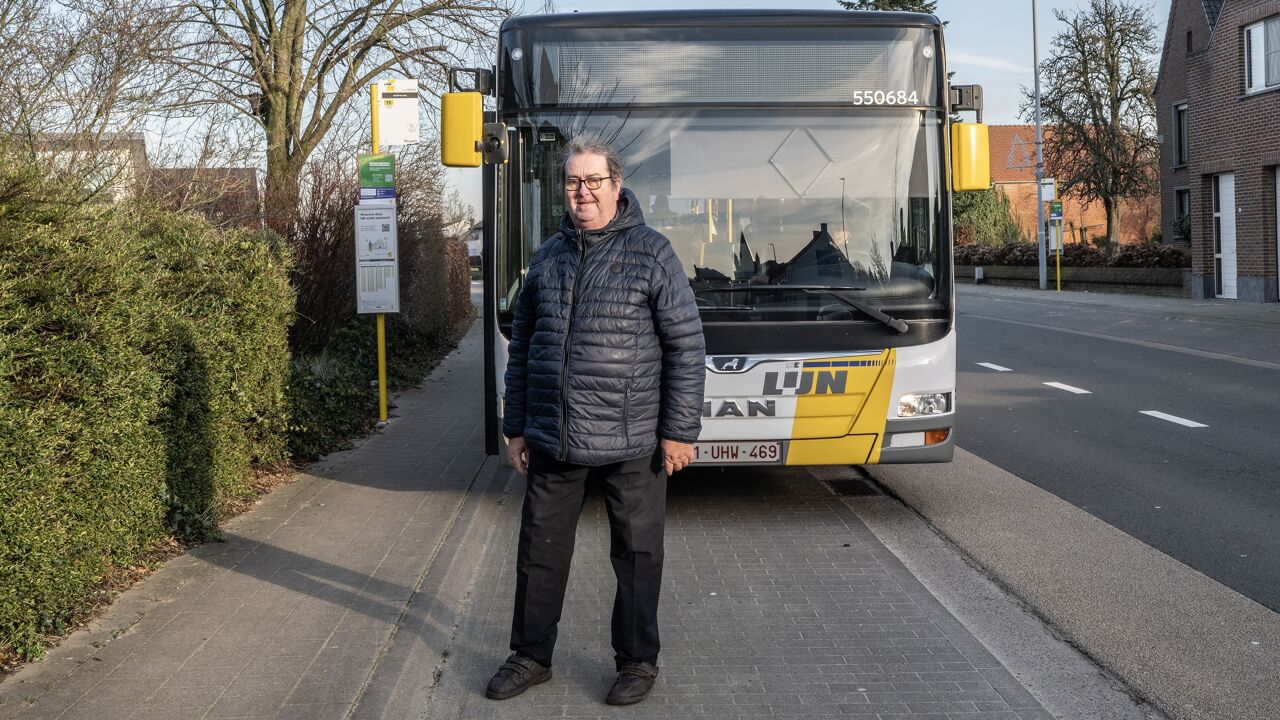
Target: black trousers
x=636 y=497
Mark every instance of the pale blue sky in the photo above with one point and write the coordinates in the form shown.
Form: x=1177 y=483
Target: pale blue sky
x=988 y=43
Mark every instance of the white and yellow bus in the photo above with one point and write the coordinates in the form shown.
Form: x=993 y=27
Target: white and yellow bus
x=802 y=164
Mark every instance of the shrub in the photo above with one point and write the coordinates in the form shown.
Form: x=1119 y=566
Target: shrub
x=1150 y=255
x=1144 y=255
x=142 y=369
x=333 y=392
x=1080 y=254
x=984 y=218
x=1019 y=253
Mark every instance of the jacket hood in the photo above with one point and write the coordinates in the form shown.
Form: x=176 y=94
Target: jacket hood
x=629 y=216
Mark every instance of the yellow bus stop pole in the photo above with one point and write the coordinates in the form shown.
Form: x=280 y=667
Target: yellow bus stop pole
x=381 y=317
x=1058 y=255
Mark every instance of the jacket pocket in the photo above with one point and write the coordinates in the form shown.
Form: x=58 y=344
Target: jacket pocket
x=626 y=416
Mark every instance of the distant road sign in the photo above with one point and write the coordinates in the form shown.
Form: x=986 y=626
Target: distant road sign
x=1055 y=210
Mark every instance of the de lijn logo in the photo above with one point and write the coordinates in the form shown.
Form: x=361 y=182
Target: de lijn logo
x=814 y=379
x=807 y=382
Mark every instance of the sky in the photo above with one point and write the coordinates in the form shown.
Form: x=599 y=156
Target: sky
x=988 y=44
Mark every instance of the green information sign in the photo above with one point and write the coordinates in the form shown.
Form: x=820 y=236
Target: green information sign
x=1055 y=210
x=377 y=178
x=377 y=170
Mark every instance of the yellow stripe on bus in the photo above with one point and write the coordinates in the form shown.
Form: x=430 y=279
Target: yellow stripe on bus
x=875 y=411
x=845 y=428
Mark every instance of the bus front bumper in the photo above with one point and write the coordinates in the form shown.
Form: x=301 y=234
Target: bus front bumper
x=904 y=440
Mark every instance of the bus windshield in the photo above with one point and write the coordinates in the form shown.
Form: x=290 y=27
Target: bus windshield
x=770 y=197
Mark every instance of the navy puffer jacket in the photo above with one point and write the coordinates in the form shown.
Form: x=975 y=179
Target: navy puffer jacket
x=606 y=355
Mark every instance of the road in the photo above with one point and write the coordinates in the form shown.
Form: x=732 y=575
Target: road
x=1055 y=391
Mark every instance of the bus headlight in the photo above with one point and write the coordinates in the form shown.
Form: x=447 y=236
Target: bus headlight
x=918 y=404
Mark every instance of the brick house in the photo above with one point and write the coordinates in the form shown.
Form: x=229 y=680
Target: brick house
x=1013 y=172
x=1218 y=103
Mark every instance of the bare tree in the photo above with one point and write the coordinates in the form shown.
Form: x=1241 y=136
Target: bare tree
x=293 y=65
x=78 y=83
x=920 y=6
x=1098 y=98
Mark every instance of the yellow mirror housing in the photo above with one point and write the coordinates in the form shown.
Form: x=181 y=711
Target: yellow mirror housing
x=461 y=129
x=970 y=157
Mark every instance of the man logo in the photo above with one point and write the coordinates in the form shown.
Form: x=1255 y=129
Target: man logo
x=733 y=408
x=730 y=364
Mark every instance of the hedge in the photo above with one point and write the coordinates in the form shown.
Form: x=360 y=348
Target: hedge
x=1021 y=254
x=143 y=370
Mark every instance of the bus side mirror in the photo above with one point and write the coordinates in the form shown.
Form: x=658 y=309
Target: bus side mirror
x=970 y=157
x=461 y=129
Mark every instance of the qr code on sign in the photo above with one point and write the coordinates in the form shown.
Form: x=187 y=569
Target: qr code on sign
x=386 y=227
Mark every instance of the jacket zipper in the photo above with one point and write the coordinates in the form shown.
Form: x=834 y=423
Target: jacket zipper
x=626 y=416
x=564 y=366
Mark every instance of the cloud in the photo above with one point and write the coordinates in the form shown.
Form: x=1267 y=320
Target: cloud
x=994 y=63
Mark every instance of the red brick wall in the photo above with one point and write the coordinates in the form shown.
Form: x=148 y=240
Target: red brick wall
x=1229 y=132
x=1138 y=218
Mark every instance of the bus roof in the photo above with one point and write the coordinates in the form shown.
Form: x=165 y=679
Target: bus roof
x=722 y=18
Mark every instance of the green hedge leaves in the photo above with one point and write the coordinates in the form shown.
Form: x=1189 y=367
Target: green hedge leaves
x=143 y=370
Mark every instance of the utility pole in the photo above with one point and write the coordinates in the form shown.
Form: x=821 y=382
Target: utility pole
x=1040 y=239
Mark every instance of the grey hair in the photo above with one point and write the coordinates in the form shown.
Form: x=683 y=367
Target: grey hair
x=582 y=145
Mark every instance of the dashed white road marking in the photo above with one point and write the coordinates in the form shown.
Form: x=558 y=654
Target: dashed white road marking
x=997 y=368
x=1068 y=388
x=1174 y=419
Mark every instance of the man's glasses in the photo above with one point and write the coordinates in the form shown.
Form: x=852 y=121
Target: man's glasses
x=593 y=183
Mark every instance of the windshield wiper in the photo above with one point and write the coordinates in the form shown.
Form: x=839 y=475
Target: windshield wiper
x=865 y=309
x=861 y=307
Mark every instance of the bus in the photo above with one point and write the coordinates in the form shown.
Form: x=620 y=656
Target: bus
x=802 y=164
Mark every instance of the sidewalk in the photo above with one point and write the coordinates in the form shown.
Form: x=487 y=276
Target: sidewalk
x=1209 y=309
x=778 y=602
x=379 y=586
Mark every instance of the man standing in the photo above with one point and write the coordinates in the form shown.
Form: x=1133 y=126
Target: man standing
x=604 y=383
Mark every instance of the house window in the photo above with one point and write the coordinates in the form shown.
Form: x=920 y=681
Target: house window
x=1182 y=215
x=1262 y=55
x=1190 y=41
x=1181 y=140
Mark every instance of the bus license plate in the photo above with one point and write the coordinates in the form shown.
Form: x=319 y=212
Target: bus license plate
x=728 y=453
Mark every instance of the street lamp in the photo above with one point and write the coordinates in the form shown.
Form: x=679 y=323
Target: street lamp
x=1040 y=239
x=844 y=232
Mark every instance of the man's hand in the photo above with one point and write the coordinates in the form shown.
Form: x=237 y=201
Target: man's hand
x=676 y=455
x=519 y=454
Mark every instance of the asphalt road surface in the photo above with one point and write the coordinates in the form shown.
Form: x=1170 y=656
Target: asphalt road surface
x=1156 y=416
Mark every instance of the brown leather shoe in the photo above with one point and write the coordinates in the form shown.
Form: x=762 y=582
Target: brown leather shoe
x=635 y=680
x=516 y=675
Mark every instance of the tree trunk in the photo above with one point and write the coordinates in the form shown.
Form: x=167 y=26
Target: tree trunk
x=1113 y=222
x=280 y=197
